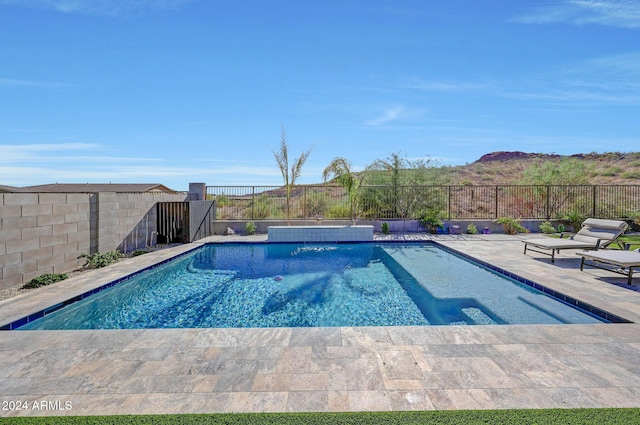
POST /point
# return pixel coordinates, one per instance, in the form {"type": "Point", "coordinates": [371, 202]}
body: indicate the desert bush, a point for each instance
{"type": "Point", "coordinates": [611, 171]}
{"type": "Point", "coordinates": [472, 229]}
{"type": "Point", "coordinates": [631, 174]}
{"type": "Point", "coordinates": [431, 220]}
{"type": "Point", "coordinates": [316, 204]}
{"type": "Point", "coordinates": [547, 227]}
{"type": "Point", "coordinates": [250, 227]}
{"type": "Point", "coordinates": [339, 211]}
{"type": "Point", "coordinates": [404, 194]}
{"type": "Point", "coordinates": [385, 228]}
{"type": "Point", "coordinates": [575, 219]}
{"type": "Point", "coordinates": [222, 200]}
{"type": "Point", "coordinates": [45, 279]}
{"type": "Point", "coordinates": [566, 171]}
{"type": "Point", "coordinates": [264, 207]}
{"type": "Point", "coordinates": [511, 225]}
{"type": "Point", "coordinates": [98, 260]}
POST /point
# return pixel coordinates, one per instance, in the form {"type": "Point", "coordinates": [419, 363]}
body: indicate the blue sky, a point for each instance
{"type": "Point", "coordinates": [179, 91]}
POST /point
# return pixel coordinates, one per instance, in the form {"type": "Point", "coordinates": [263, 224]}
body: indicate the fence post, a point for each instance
{"type": "Point", "coordinates": [547, 209]}
{"type": "Point", "coordinates": [304, 201]}
{"type": "Point", "coordinates": [449, 204]}
{"type": "Point", "coordinates": [253, 202]}
{"type": "Point", "coordinates": [593, 209]}
{"type": "Point", "coordinates": [496, 210]}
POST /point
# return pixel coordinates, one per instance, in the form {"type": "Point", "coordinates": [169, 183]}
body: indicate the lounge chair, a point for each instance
{"type": "Point", "coordinates": [595, 233]}
{"type": "Point", "coordinates": [610, 259]}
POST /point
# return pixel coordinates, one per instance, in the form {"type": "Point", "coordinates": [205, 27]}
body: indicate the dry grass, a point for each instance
{"type": "Point", "coordinates": [607, 168]}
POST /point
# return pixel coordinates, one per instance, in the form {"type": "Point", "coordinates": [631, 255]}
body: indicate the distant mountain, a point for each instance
{"type": "Point", "coordinates": [507, 167]}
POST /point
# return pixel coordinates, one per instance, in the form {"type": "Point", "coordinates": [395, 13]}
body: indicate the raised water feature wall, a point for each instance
{"type": "Point", "coordinates": [320, 233]}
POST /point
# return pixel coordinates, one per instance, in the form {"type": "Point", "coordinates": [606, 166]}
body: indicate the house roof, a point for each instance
{"type": "Point", "coordinates": [4, 189]}
{"type": "Point", "coordinates": [97, 187]}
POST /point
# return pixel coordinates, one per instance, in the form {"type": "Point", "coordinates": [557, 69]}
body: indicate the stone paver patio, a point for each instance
{"type": "Point", "coordinates": [330, 369]}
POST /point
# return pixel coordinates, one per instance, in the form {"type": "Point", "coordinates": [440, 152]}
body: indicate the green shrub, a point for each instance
{"type": "Point", "coordinates": [98, 260]}
{"type": "Point", "coordinates": [547, 227]}
{"type": "Point", "coordinates": [632, 174]}
{"type": "Point", "coordinates": [635, 217]}
{"type": "Point", "coordinates": [250, 227]}
{"type": "Point", "coordinates": [385, 228]}
{"type": "Point", "coordinates": [316, 204]}
{"type": "Point", "coordinates": [472, 229]}
{"type": "Point", "coordinates": [611, 171]}
{"type": "Point", "coordinates": [567, 171]}
{"type": "Point", "coordinates": [222, 201]}
{"type": "Point", "coordinates": [511, 225]}
{"type": "Point", "coordinates": [139, 252]}
{"type": "Point", "coordinates": [431, 220]}
{"type": "Point", "coordinates": [264, 207]}
{"type": "Point", "coordinates": [45, 279]}
{"type": "Point", "coordinates": [339, 211]}
{"type": "Point", "coordinates": [575, 219]}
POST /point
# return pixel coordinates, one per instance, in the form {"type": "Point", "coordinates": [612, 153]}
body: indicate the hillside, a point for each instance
{"type": "Point", "coordinates": [496, 168]}
{"type": "Point", "coordinates": [508, 167]}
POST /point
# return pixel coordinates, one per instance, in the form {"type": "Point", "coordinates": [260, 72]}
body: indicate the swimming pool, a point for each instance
{"type": "Point", "coordinates": [292, 285]}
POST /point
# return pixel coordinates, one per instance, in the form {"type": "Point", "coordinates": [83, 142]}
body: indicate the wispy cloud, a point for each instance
{"type": "Point", "coordinates": [12, 82]}
{"type": "Point", "coordinates": [117, 173]}
{"type": "Point", "coordinates": [10, 153]}
{"type": "Point", "coordinates": [394, 113]}
{"type": "Point", "coordinates": [24, 165]}
{"type": "Point", "coordinates": [388, 115]}
{"type": "Point", "coordinates": [111, 8]}
{"type": "Point", "coordinates": [417, 83]}
{"type": "Point", "coordinates": [607, 80]}
{"type": "Point", "coordinates": [617, 13]}
{"type": "Point", "coordinates": [628, 64]}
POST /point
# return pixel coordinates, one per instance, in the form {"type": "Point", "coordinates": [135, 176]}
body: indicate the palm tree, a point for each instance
{"type": "Point", "coordinates": [289, 176]}
{"type": "Point", "coordinates": [340, 170]}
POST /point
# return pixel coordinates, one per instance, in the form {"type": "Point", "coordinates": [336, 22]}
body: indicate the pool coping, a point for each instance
{"type": "Point", "coordinates": [331, 369]}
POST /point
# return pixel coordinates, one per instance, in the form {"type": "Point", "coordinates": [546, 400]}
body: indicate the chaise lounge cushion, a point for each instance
{"type": "Point", "coordinates": [595, 233]}
{"type": "Point", "coordinates": [617, 261]}
{"type": "Point", "coordinates": [619, 258]}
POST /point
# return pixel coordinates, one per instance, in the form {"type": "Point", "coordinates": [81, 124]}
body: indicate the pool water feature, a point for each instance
{"type": "Point", "coordinates": [292, 285]}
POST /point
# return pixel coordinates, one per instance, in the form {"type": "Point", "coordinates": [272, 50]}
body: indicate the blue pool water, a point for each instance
{"type": "Point", "coordinates": [290, 285]}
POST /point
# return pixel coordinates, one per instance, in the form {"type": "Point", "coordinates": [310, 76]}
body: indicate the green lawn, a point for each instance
{"type": "Point", "coordinates": [633, 240]}
{"type": "Point", "coordinates": [541, 416]}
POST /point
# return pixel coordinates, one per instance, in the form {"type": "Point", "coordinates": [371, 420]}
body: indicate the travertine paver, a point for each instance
{"type": "Point", "coordinates": [330, 369]}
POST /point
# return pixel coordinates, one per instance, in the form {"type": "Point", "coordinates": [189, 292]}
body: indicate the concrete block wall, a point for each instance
{"type": "Point", "coordinates": [127, 221]}
{"type": "Point", "coordinates": [41, 233]}
{"type": "Point", "coordinates": [47, 232]}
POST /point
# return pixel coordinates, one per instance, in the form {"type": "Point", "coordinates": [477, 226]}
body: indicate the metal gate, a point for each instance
{"type": "Point", "coordinates": [184, 222]}
{"type": "Point", "coordinates": [173, 222]}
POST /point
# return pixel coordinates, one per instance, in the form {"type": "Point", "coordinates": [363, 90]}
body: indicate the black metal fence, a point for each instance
{"type": "Point", "coordinates": [411, 202]}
